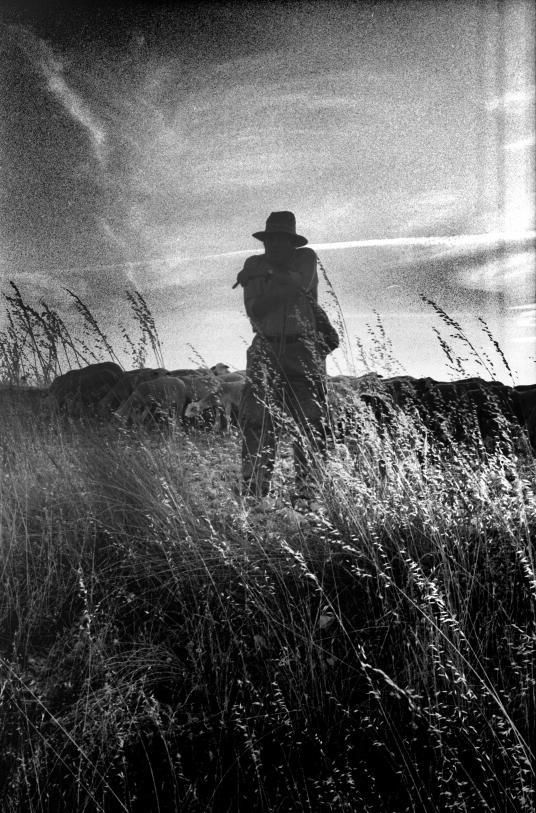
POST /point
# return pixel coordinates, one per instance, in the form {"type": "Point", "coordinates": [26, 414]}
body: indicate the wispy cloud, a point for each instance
{"type": "Point", "coordinates": [77, 109]}
{"type": "Point", "coordinates": [524, 320]}
{"type": "Point", "coordinates": [433, 211]}
{"type": "Point", "coordinates": [43, 59]}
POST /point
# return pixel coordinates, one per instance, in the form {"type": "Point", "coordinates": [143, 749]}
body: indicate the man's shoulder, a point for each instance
{"type": "Point", "coordinates": [305, 258]}
{"type": "Point", "coordinates": [305, 263]}
{"type": "Point", "coordinates": [255, 263]}
{"type": "Point", "coordinates": [306, 251]}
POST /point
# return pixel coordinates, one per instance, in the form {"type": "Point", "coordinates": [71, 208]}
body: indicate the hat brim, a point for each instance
{"type": "Point", "coordinates": [298, 239]}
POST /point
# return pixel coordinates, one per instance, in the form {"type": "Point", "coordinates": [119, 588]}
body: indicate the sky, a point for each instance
{"type": "Point", "coordinates": [142, 145]}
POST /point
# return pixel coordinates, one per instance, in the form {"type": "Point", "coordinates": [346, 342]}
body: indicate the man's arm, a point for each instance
{"type": "Point", "coordinates": [261, 298]}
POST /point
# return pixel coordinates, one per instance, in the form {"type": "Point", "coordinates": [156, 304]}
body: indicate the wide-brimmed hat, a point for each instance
{"type": "Point", "coordinates": [282, 223]}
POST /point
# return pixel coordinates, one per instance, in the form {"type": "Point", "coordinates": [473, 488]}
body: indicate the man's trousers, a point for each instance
{"type": "Point", "coordinates": [285, 390]}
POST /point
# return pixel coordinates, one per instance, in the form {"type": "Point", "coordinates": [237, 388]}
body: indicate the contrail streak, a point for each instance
{"type": "Point", "coordinates": [452, 241]}
{"type": "Point", "coordinates": [495, 238]}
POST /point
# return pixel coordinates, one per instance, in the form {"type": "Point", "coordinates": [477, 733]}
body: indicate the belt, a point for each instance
{"type": "Point", "coordinates": [284, 339]}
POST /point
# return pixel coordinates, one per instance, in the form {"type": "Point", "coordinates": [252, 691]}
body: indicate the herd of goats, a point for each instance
{"type": "Point", "coordinates": [448, 411]}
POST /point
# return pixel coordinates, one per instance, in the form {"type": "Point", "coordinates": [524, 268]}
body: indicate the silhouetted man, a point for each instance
{"type": "Point", "coordinates": [286, 361]}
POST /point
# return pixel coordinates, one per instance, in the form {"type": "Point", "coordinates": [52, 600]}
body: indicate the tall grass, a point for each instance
{"type": "Point", "coordinates": [164, 648]}
{"type": "Point", "coordinates": [457, 342]}
{"type": "Point", "coordinates": [37, 345]}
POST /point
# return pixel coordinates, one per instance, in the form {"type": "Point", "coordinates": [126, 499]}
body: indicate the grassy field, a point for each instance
{"type": "Point", "coordinates": [164, 649]}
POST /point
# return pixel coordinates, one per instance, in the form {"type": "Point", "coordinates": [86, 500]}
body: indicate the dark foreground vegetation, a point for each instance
{"type": "Point", "coordinates": [163, 648]}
